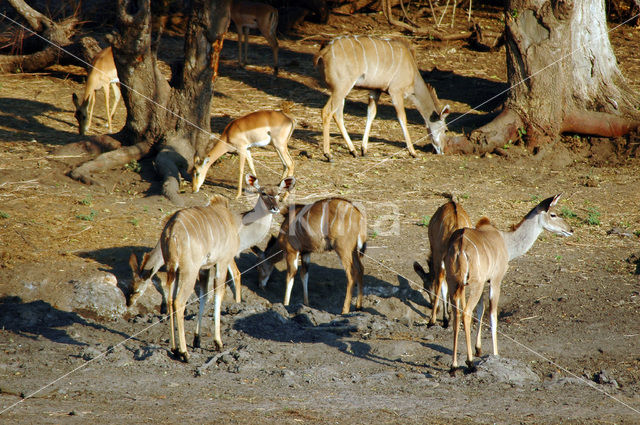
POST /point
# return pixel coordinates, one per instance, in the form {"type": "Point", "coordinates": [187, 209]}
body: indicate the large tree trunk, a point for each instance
{"type": "Point", "coordinates": [171, 122]}
{"type": "Point", "coordinates": [563, 76]}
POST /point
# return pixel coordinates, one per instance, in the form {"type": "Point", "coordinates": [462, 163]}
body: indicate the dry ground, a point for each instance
{"type": "Point", "coordinates": [569, 333]}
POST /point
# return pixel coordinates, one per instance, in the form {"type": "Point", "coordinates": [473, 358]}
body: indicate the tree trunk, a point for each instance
{"type": "Point", "coordinates": [170, 122]}
{"type": "Point", "coordinates": [59, 34]}
{"type": "Point", "coordinates": [563, 76]}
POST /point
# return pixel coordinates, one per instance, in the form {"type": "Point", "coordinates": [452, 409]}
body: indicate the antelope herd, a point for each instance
{"type": "Point", "coordinates": [197, 245]}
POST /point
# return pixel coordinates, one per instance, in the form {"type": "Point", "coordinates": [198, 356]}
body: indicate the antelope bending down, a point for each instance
{"type": "Point", "coordinates": [102, 75]}
{"type": "Point", "coordinates": [250, 228]}
{"type": "Point", "coordinates": [255, 129]}
{"type": "Point", "coordinates": [476, 256]}
{"type": "Point", "coordinates": [446, 220]}
{"type": "Point", "coordinates": [248, 15]}
{"type": "Point", "coordinates": [325, 225]}
{"type": "Point", "coordinates": [377, 64]}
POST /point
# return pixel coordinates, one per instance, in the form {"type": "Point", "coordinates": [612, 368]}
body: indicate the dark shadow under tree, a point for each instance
{"type": "Point", "coordinates": [167, 119]}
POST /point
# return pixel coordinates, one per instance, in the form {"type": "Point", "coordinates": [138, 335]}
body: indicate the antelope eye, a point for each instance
{"type": "Point", "coordinates": [553, 215]}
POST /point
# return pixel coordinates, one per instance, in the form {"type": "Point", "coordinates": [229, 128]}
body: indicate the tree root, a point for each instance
{"type": "Point", "coordinates": [598, 124]}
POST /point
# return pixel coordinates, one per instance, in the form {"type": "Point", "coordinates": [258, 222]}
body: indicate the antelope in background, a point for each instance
{"type": "Point", "coordinates": [476, 256]}
{"type": "Point", "coordinates": [255, 129]}
{"type": "Point", "coordinates": [332, 224]}
{"type": "Point", "coordinates": [446, 220]}
{"type": "Point", "coordinates": [377, 64]}
{"type": "Point", "coordinates": [251, 227]}
{"type": "Point", "coordinates": [248, 15]}
{"type": "Point", "coordinates": [102, 75]}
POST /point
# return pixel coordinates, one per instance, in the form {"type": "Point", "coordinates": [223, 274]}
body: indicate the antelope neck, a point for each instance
{"type": "Point", "coordinates": [521, 239]}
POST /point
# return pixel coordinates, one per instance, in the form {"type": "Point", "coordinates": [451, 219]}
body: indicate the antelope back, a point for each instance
{"type": "Point", "coordinates": [367, 62]}
{"type": "Point", "coordinates": [323, 225]}
{"type": "Point", "coordinates": [477, 254]}
{"type": "Point", "coordinates": [446, 220]}
{"type": "Point", "coordinates": [198, 237]}
{"type": "Point", "coordinates": [258, 128]}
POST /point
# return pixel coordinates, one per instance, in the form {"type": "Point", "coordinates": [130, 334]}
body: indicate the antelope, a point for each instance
{"type": "Point", "coordinates": [446, 220]}
{"type": "Point", "coordinates": [103, 75]}
{"type": "Point", "coordinates": [377, 64]}
{"type": "Point", "coordinates": [248, 15]}
{"type": "Point", "coordinates": [253, 227]}
{"type": "Point", "coordinates": [332, 224]}
{"type": "Point", "coordinates": [255, 129]}
{"type": "Point", "coordinates": [476, 256]}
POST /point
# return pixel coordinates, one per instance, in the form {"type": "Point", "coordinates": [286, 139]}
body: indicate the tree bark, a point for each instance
{"type": "Point", "coordinates": [563, 76]}
{"type": "Point", "coordinates": [170, 122]}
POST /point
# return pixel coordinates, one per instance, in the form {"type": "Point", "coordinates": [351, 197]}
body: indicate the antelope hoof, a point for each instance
{"type": "Point", "coordinates": [363, 152]}
{"type": "Point", "coordinates": [353, 153]}
{"type": "Point", "coordinates": [163, 308]}
{"type": "Point", "coordinates": [329, 157]}
{"type": "Point", "coordinates": [218, 345]}
{"type": "Point", "coordinates": [471, 368]}
{"type": "Point", "coordinates": [453, 371]}
{"type": "Point", "coordinates": [445, 323]}
{"type": "Point", "coordinates": [183, 357]}
{"type": "Point", "coordinates": [196, 341]}
{"type": "Point", "coordinates": [478, 352]}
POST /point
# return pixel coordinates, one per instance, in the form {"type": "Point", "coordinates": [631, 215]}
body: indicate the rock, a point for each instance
{"type": "Point", "coordinates": [506, 370]}
{"type": "Point", "coordinates": [98, 295]}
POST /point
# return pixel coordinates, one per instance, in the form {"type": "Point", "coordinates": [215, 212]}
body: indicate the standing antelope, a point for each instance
{"type": "Point", "coordinates": [332, 224]}
{"type": "Point", "coordinates": [480, 255]}
{"type": "Point", "coordinates": [255, 129]}
{"type": "Point", "coordinates": [446, 220]}
{"type": "Point", "coordinates": [102, 75]}
{"type": "Point", "coordinates": [377, 64]}
{"type": "Point", "coordinates": [248, 15]}
{"type": "Point", "coordinates": [252, 227]}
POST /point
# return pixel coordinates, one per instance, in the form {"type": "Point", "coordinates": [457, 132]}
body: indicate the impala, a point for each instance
{"type": "Point", "coordinates": [255, 129]}
{"type": "Point", "coordinates": [446, 220]}
{"type": "Point", "coordinates": [377, 64]}
{"type": "Point", "coordinates": [103, 75]}
{"type": "Point", "coordinates": [250, 227]}
{"type": "Point", "coordinates": [332, 224]}
{"type": "Point", "coordinates": [480, 255]}
{"type": "Point", "coordinates": [248, 15]}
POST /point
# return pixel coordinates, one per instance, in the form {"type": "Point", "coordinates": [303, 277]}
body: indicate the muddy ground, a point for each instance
{"type": "Point", "coordinates": [569, 335]}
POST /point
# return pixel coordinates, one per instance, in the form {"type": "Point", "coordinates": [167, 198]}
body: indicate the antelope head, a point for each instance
{"type": "Point", "coordinates": [438, 128]}
{"type": "Point", "coordinates": [199, 173]}
{"type": "Point", "coordinates": [81, 114]}
{"type": "Point", "coordinates": [549, 220]}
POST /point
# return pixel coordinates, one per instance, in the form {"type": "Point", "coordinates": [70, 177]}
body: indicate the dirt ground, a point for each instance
{"type": "Point", "coordinates": [569, 336]}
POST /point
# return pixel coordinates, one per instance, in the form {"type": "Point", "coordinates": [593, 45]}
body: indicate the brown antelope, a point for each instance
{"type": "Point", "coordinates": [480, 255]}
{"type": "Point", "coordinates": [248, 15]}
{"type": "Point", "coordinates": [102, 75]}
{"type": "Point", "coordinates": [255, 129]}
{"type": "Point", "coordinates": [332, 224]}
{"type": "Point", "coordinates": [446, 220]}
{"type": "Point", "coordinates": [377, 64]}
{"type": "Point", "coordinates": [253, 227]}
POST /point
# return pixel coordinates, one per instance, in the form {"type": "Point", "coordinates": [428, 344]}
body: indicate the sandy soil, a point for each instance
{"type": "Point", "coordinates": [569, 335]}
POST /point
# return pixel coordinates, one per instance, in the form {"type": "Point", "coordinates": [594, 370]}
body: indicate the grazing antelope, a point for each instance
{"type": "Point", "coordinates": [446, 220]}
{"type": "Point", "coordinates": [248, 15]}
{"type": "Point", "coordinates": [377, 64]}
{"type": "Point", "coordinates": [480, 255]}
{"type": "Point", "coordinates": [255, 129]}
{"type": "Point", "coordinates": [253, 227]}
{"type": "Point", "coordinates": [102, 75]}
{"type": "Point", "coordinates": [332, 224]}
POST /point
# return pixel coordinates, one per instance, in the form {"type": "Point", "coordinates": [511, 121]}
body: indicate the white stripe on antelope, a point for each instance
{"type": "Point", "coordinates": [252, 227]}
{"type": "Point", "coordinates": [480, 255]}
{"type": "Point", "coordinates": [377, 64]}
{"type": "Point", "coordinates": [332, 224]}
{"type": "Point", "coordinates": [446, 220]}
{"type": "Point", "coordinates": [255, 129]}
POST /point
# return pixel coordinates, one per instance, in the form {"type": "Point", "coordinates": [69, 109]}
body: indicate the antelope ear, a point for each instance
{"type": "Point", "coordinates": [555, 199]}
{"type": "Point", "coordinates": [76, 102]}
{"type": "Point", "coordinates": [252, 181]}
{"type": "Point", "coordinates": [287, 184]}
{"type": "Point", "coordinates": [445, 112]}
{"type": "Point", "coordinates": [257, 250]}
{"type": "Point", "coordinates": [133, 263]}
